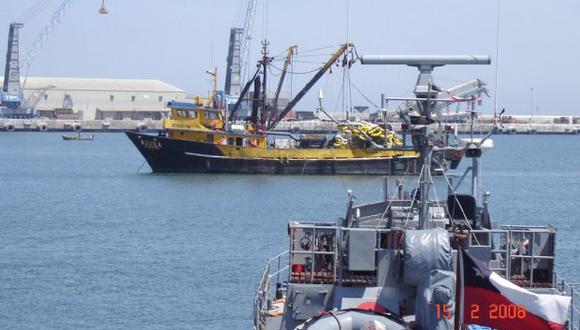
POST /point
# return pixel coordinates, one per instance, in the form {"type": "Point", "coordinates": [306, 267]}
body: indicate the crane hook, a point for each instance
{"type": "Point", "coordinates": [103, 10]}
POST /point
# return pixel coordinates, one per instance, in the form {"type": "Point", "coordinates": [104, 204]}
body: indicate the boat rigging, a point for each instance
{"type": "Point", "coordinates": [274, 112]}
{"type": "Point", "coordinates": [269, 116]}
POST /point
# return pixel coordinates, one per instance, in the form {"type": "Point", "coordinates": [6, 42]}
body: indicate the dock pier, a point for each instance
{"type": "Point", "coordinates": [304, 126]}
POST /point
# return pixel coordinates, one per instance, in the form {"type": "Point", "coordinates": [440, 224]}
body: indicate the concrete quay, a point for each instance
{"type": "Point", "coordinates": [317, 126]}
{"type": "Point", "coordinates": [524, 128]}
{"type": "Point", "coordinates": [65, 125]}
{"type": "Point", "coordinates": [305, 126]}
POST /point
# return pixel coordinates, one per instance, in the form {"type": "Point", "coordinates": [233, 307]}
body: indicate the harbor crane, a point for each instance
{"type": "Point", "coordinates": [12, 101]}
{"type": "Point", "coordinates": [239, 52]}
{"type": "Point", "coordinates": [11, 94]}
{"type": "Point", "coordinates": [103, 10]}
{"type": "Point", "coordinates": [247, 36]}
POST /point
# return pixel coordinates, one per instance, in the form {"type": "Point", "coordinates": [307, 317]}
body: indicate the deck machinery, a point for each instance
{"type": "Point", "coordinates": [389, 264]}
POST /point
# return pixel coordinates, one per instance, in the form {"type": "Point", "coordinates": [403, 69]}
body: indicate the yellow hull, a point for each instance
{"type": "Point", "coordinates": [255, 146]}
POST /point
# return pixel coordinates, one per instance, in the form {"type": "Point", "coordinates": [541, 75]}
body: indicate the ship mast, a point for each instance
{"type": "Point", "coordinates": [264, 93]}
{"type": "Point", "coordinates": [426, 98]}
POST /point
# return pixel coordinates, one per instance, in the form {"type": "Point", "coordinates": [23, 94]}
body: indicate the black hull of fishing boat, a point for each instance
{"type": "Point", "coordinates": [175, 156]}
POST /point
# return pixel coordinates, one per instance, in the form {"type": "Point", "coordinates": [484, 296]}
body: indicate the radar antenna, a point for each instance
{"type": "Point", "coordinates": [426, 97]}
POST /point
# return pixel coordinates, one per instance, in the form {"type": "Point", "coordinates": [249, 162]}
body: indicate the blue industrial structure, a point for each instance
{"type": "Point", "coordinates": [12, 102]}
{"type": "Point", "coordinates": [11, 95]}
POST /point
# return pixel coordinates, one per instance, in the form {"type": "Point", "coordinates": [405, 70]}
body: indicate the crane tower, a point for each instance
{"type": "Point", "coordinates": [11, 96]}
{"type": "Point", "coordinates": [238, 52]}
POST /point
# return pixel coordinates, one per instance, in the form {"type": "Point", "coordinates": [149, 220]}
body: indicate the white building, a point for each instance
{"type": "Point", "coordinates": [113, 99]}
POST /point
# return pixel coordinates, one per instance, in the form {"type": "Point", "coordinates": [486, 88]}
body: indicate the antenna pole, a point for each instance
{"type": "Point", "coordinates": [424, 89]}
{"type": "Point", "coordinates": [263, 95]}
{"type": "Point", "coordinates": [496, 100]}
{"type": "Point", "coordinates": [531, 104]}
{"type": "Point", "coordinates": [474, 161]}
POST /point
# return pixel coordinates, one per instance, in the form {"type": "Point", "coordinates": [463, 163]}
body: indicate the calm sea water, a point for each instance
{"type": "Point", "coordinates": [89, 242]}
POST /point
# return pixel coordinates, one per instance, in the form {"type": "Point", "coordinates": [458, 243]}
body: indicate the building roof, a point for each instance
{"type": "Point", "coordinates": [99, 84]}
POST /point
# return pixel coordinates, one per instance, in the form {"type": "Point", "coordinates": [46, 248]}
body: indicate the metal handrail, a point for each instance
{"type": "Point", "coordinates": [280, 270]}
{"type": "Point", "coordinates": [506, 238]}
{"type": "Point", "coordinates": [262, 297]}
{"type": "Point", "coordinates": [570, 289]}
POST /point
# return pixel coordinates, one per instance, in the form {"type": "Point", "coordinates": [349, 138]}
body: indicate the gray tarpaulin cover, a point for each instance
{"type": "Point", "coordinates": [436, 289]}
{"type": "Point", "coordinates": [425, 250]}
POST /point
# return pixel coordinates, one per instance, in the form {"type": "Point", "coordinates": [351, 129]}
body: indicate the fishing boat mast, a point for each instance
{"type": "Point", "coordinates": [264, 92]}
{"type": "Point", "coordinates": [426, 98]}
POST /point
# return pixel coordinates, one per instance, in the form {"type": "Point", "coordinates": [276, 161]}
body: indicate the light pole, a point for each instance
{"type": "Point", "coordinates": [531, 104]}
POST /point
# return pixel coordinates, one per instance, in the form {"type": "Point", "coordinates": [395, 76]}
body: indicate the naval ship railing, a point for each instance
{"type": "Point", "coordinates": [518, 251]}
{"type": "Point", "coordinates": [262, 299]}
{"type": "Point", "coordinates": [514, 247]}
{"type": "Point", "coordinates": [572, 290]}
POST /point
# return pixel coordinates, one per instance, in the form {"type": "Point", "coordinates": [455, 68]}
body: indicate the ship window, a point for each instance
{"type": "Point", "coordinates": [192, 114]}
{"type": "Point", "coordinates": [111, 98]}
{"type": "Point", "coordinates": [182, 113]}
{"type": "Point", "coordinates": [209, 138]}
{"type": "Point", "coordinates": [231, 141]}
{"type": "Point", "coordinates": [45, 97]}
{"type": "Point", "coordinates": [133, 98]}
{"type": "Point", "coordinates": [211, 115]}
{"type": "Point", "coordinates": [160, 98]}
{"type": "Point", "coordinates": [239, 142]}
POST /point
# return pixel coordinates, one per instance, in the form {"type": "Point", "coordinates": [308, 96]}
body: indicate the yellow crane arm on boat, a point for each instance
{"type": "Point", "coordinates": [343, 48]}
{"type": "Point", "coordinates": [287, 62]}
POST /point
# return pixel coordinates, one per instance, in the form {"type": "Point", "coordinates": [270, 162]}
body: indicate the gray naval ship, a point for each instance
{"type": "Point", "coordinates": [406, 262]}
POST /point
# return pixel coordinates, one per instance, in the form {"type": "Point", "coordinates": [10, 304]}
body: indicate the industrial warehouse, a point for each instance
{"type": "Point", "coordinates": [100, 99]}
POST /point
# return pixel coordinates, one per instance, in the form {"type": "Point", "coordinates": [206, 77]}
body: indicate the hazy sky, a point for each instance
{"type": "Point", "coordinates": [177, 40]}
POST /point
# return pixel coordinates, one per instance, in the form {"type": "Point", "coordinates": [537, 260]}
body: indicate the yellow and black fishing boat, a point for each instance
{"type": "Point", "coordinates": [195, 140]}
{"type": "Point", "coordinates": [206, 136]}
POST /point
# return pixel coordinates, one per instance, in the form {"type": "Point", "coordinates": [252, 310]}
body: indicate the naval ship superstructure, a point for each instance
{"type": "Point", "coordinates": [398, 263]}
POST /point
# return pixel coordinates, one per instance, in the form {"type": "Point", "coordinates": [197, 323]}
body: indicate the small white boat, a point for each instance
{"type": "Point", "coordinates": [78, 137]}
